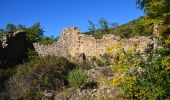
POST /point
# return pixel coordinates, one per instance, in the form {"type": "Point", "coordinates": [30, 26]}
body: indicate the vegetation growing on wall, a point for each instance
{"type": "Point", "coordinates": [141, 76]}
{"type": "Point", "coordinates": [146, 76]}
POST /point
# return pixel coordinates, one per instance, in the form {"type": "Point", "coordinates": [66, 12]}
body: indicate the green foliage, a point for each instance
{"type": "Point", "coordinates": [146, 76]}
{"type": "Point", "coordinates": [143, 76]}
{"type": "Point", "coordinates": [47, 40]}
{"type": "Point", "coordinates": [20, 27]}
{"type": "Point", "coordinates": [122, 61]}
{"type": "Point", "coordinates": [142, 3]}
{"type": "Point", "coordinates": [136, 27]}
{"type": "Point", "coordinates": [104, 25]}
{"type": "Point", "coordinates": [1, 33]}
{"type": "Point", "coordinates": [31, 79]}
{"type": "Point", "coordinates": [102, 29]}
{"type": "Point", "coordinates": [105, 98]}
{"type": "Point", "coordinates": [77, 78]}
{"type": "Point", "coordinates": [155, 9]}
{"type": "Point", "coordinates": [158, 11]}
{"type": "Point", "coordinates": [91, 27]}
{"type": "Point", "coordinates": [34, 33]}
{"type": "Point", "coordinates": [153, 83]}
{"type": "Point", "coordinates": [10, 28]}
{"type": "Point", "coordinates": [31, 54]}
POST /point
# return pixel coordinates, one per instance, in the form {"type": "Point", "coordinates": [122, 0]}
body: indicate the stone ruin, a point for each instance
{"type": "Point", "coordinates": [74, 43]}
{"type": "Point", "coordinates": [12, 48]}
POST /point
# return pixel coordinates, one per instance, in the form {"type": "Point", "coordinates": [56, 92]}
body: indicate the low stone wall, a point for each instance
{"type": "Point", "coordinates": [74, 43]}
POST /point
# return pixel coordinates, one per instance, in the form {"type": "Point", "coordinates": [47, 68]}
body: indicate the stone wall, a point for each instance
{"type": "Point", "coordinates": [73, 43]}
{"type": "Point", "coordinates": [12, 49]}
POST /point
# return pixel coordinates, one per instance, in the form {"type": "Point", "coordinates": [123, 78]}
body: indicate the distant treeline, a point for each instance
{"type": "Point", "coordinates": [136, 27]}
{"type": "Point", "coordinates": [35, 33]}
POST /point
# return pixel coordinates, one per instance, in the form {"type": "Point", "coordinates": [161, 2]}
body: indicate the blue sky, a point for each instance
{"type": "Point", "coordinates": [54, 15]}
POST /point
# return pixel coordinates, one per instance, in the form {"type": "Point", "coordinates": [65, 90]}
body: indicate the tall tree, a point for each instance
{"type": "Point", "coordinates": [114, 25]}
{"type": "Point", "coordinates": [142, 3]}
{"type": "Point", "coordinates": [104, 25]}
{"type": "Point", "coordinates": [35, 33]}
{"type": "Point", "coordinates": [157, 10]}
{"type": "Point", "coordinates": [10, 28]}
{"type": "Point", "coordinates": [92, 26]}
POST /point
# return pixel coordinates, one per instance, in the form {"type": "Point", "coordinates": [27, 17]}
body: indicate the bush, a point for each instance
{"type": "Point", "coordinates": [31, 54]}
{"type": "Point", "coordinates": [142, 76]}
{"type": "Point", "coordinates": [77, 78]}
{"type": "Point", "coordinates": [31, 79]}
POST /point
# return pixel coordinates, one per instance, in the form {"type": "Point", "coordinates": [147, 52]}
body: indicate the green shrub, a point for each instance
{"type": "Point", "coordinates": [77, 78]}
{"type": "Point", "coordinates": [143, 76]}
{"type": "Point", "coordinates": [31, 79]}
{"type": "Point", "coordinates": [105, 97]}
{"type": "Point", "coordinates": [31, 54]}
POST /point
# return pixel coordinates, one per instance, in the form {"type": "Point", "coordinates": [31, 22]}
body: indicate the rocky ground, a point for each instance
{"type": "Point", "coordinates": [95, 87]}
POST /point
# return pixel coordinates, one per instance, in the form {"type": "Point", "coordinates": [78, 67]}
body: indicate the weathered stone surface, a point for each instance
{"type": "Point", "coordinates": [74, 43]}
{"type": "Point", "coordinates": [12, 49]}
{"type": "Point", "coordinates": [94, 89]}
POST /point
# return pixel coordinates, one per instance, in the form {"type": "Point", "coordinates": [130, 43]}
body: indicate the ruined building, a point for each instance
{"type": "Point", "coordinates": [74, 43]}
{"type": "Point", "coordinates": [12, 49]}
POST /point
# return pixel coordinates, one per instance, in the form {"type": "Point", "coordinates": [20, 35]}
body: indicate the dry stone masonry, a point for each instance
{"type": "Point", "coordinates": [12, 48]}
{"type": "Point", "coordinates": [74, 43]}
